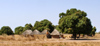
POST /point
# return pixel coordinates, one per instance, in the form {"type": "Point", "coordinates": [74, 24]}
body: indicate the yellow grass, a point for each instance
{"type": "Point", "coordinates": [50, 43]}
{"type": "Point", "coordinates": [18, 40]}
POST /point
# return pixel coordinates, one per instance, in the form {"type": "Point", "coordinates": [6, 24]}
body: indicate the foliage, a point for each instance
{"type": "Point", "coordinates": [74, 21]}
{"type": "Point", "coordinates": [44, 24]}
{"type": "Point", "coordinates": [6, 30]}
{"type": "Point", "coordinates": [93, 31]}
{"type": "Point", "coordinates": [0, 32]}
{"type": "Point", "coordinates": [19, 30]}
{"type": "Point", "coordinates": [28, 27]}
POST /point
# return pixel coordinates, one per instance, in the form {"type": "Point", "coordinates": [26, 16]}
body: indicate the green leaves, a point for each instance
{"type": "Point", "coordinates": [6, 30]}
{"type": "Point", "coordinates": [44, 24]}
{"type": "Point", "coordinates": [28, 27]}
{"type": "Point", "coordinates": [74, 21]}
{"type": "Point", "coordinates": [19, 30]}
{"type": "Point", "coordinates": [62, 15]}
{"type": "Point", "coordinates": [68, 22]}
{"type": "Point", "coordinates": [93, 31]}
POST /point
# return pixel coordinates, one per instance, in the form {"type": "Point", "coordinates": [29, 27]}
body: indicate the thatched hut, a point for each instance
{"type": "Point", "coordinates": [27, 32]}
{"type": "Point", "coordinates": [56, 34]}
{"type": "Point", "coordinates": [35, 32]}
{"type": "Point", "coordinates": [37, 35]}
{"type": "Point", "coordinates": [47, 33]}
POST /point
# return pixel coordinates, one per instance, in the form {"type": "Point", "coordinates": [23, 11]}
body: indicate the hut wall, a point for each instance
{"type": "Point", "coordinates": [56, 36]}
{"type": "Point", "coordinates": [40, 36]}
{"type": "Point", "coordinates": [48, 35]}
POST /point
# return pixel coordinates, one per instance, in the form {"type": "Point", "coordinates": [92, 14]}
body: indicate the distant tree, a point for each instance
{"type": "Point", "coordinates": [93, 31]}
{"type": "Point", "coordinates": [44, 24]}
{"type": "Point", "coordinates": [6, 30]}
{"type": "Point", "coordinates": [19, 30]}
{"type": "Point", "coordinates": [28, 27]}
{"type": "Point", "coordinates": [0, 32]}
{"type": "Point", "coordinates": [75, 22]}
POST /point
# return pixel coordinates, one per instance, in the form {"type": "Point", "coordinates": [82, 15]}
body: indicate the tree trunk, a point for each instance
{"type": "Point", "coordinates": [79, 35]}
{"type": "Point", "coordinates": [74, 35]}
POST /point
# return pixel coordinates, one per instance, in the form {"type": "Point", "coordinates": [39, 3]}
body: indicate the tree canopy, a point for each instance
{"type": "Point", "coordinates": [93, 31]}
{"type": "Point", "coordinates": [6, 30]}
{"type": "Point", "coordinates": [19, 30]}
{"type": "Point", "coordinates": [28, 27]}
{"type": "Point", "coordinates": [74, 21]}
{"type": "Point", "coordinates": [44, 24]}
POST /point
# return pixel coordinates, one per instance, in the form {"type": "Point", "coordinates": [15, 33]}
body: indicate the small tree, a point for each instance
{"type": "Point", "coordinates": [6, 30]}
{"type": "Point", "coordinates": [19, 30]}
{"type": "Point", "coordinates": [0, 32]}
{"type": "Point", "coordinates": [28, 27]}
{"type": "Point", "coordinates": [93, 31]}
{"type": "Point", "coordinates": [44, 24]}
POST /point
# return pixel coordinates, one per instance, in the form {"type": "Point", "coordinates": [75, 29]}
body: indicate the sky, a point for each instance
{"type": "Point", "coordinates": [16, 13]}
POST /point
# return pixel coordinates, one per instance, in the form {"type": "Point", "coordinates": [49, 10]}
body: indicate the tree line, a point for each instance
{"type": "Point", "coordinates": [74, 22]}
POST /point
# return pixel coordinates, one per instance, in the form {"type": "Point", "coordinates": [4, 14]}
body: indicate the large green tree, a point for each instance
{"type": "Point", "coordinates": [6, 30]}
{"type": "Point", "coordinates": [44, 24]}
{"type": "Point", "coordinates": [19, 30]}
{"type": "Point", "coordinates": [75, 22]}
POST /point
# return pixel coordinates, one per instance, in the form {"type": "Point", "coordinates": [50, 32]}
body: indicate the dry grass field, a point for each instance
{"type": "Point", "coordinates": [51, 43]}
{"type": "Point", "coordinates": [18, 40]}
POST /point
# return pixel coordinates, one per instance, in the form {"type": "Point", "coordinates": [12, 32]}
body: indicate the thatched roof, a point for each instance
{"type": "Point", "coordinates": [35, 32]}
{"type": "Point", "coordinates": [45, 32]}
{"type": "Point", "coordinates": [27, 32]}
{"type": "Point", "coordinates": [55, 32]}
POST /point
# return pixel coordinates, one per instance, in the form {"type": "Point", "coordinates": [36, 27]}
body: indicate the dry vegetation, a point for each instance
{"type": "Point", "coordinates": [18, 40]}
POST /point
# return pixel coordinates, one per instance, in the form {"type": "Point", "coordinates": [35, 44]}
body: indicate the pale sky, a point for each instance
{"type": "Point", "coordinates": [16, 13]}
